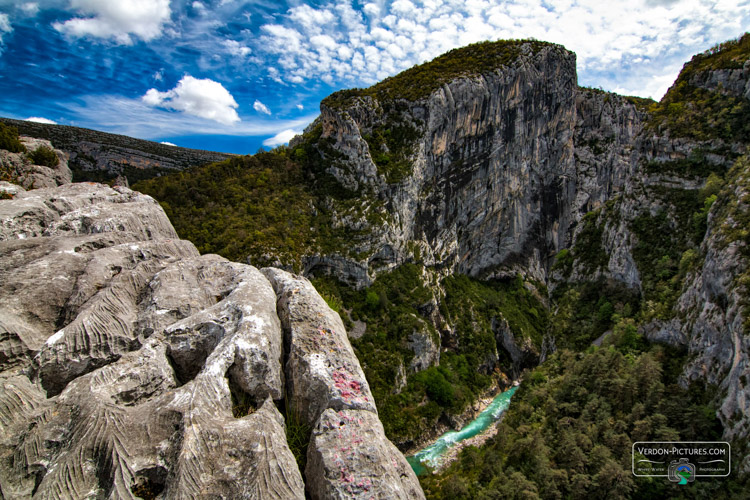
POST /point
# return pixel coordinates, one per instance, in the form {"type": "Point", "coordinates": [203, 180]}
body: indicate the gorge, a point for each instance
{"type": "Point", "coordinates": [468, 220]}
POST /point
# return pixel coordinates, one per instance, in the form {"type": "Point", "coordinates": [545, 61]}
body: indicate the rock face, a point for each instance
{"type": "Point", "coordinates": [713, 321]}
{"type": "Point", "coordinates": [329, 392]}
{"type": "Point", "coordinates": [493, 170]}
{"type": "Point", "coordinates": [132, 366]}
{"type": "Point", "coordinates": [503, 168]}
{"type": "Point", "coordinates": [31, 176]}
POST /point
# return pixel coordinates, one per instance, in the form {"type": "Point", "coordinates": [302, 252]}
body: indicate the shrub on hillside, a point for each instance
{"type": "Point", "coordinates": [44, 156]}
{"type": "Point", "coordinates": [9, 139]}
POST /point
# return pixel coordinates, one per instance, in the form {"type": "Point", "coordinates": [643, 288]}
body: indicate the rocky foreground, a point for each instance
{"type": "Point", "coordinates": [132, 366]}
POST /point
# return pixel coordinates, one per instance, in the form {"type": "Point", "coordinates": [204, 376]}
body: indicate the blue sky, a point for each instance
{"type": "Point", "coordinates": [235, 75]}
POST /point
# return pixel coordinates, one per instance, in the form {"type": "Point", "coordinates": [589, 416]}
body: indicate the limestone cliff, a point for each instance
{"type": "Point", "coordinates": [132, 366]}
{"type": "Point", "coordinates": [491, 176]}
{"type": "Point", "coordinates": [493, 172]}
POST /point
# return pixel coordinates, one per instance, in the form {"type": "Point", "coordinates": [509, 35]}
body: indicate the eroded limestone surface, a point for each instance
{"type": "Point", "coordinates": [132, 366]}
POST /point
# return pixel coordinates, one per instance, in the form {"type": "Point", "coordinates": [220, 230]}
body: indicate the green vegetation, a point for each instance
{"type": "Point", "coordinates": [731, 54]}
{"type": "Point", "coordinates": [668, 243]}
{"type": "Point", "coordinates": [584, 311]}
{"type": "Point", "coordinates": [8, 174]}
{"type": "Point", "coordinates": [400, 304]}
{"type": "Point", "coordinates": [697, 113]}
{"type": "Point", "coordinates": [569, 431]}
{"type": "Point", "coordinates": [251, 205]}
{"type": "Point", "coordinates": [733, 222]}
{"type": "Point", "coordinates": [9, 139]}
{"type": "Point", "coordinates": [391, 149]}
{"type": "Point", "coordinates": [471, 305]}
{"type": "Point", "coordinates": [695, 165]}
{"type": "Point", "coordinates": [700, 114]}
{"type": "Point", "coordinates": [297, 436]}
{"type": "Point", "coordinates": [642, 103]}
{"type": "Point", "coordinates": [420, 81]}
{"type": "Point", "coordinates": [588, 248]}
{"type": "Point", "coordinates": [44, 156]}
{"type": "Point", "coordinates": [263, 206]}
{"type": "Point", "coordinates": [133, 174]}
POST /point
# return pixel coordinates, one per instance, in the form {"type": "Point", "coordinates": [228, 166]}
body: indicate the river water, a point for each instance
{"type": "Point", "coordinates": [431, 455]}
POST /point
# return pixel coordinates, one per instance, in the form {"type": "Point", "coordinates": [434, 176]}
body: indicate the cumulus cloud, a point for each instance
{"type": "Point", "coordinates": [236, 49]}
{"type": "Point", "coordinates": [334, 43]}
{"type": "Point", "coordinates": [281, 138]}
{"type": "Point", "coordinates": [261, 108]}
{"type": "Point", "coordinates": [39, 119]}
{"type": "Point", "coordinates": [136, 118]}
{"type": "Point", "coordinates": [30, 8]}
{"type": "Point", "coordinates": [119, 20]}
{"type": "Point", "coordinates": [204, 98]}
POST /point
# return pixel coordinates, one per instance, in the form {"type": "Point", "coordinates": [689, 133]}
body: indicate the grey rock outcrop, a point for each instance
{"type": "Point", "coordinates": [30, 176]}
{"type": "Point", "coordinates": [132, 366]}
{"type": "Point", "coordinates": [522, 352]}
{"type": "Point", "coordinates": [488, 146]}
{"type": "Point", "coordinates": [341, 470]}
{"type": "Point", "coordinates": [426, 349]}
{"type": "Point", "coordinates": [329, 391]}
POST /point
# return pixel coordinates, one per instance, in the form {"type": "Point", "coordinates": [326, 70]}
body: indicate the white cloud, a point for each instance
{"type": "Point", "coordinates": [371, 9]}
{"type": "Point", "coordinates": [5, 28]}
{"type": "Point", "coordinates": [135, 118]}
{"type": "Point", "coordinates": [236, 49]}
{"type": "Point", "coordinates": [300, 107]}
{"type": "Point", "coordinates": [204, 98]}
{"type": "Point", "coordinates": [312, 20]}
{"type": "Point", "coordinates": [403, 7]}
{"type": "Point", "coordinates": [261, 108]}
{"type": "Point", "coordinates": [323, 41]}
{"type": "Point", "coordinates": [199, 7]}
{"type": "Point", "coordinates": [282, 137]}
{"type": "Point", "coordinates": [311, 43]}
{"type": "Point", "coordinates": [38, 119]}
{"type": "Point", "coordinates": [168, 143]}
{"type": "Point", "coordinates": [30, 8]}
{"type": "Point", "coordinates": [117, 19]}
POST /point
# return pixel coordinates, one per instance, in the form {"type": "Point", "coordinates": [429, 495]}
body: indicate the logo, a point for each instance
{"type": "Point", "coordinates": [681, 471]}
{"type": "Point", "coordinates": [681, 461]}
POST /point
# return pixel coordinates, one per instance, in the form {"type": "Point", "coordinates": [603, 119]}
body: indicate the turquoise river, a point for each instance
{"type": "Point", "coordinates": [431, 455]}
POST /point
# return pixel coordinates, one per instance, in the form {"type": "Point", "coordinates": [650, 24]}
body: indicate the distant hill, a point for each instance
{"type": "Point", "coordinates": [99, 156]}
